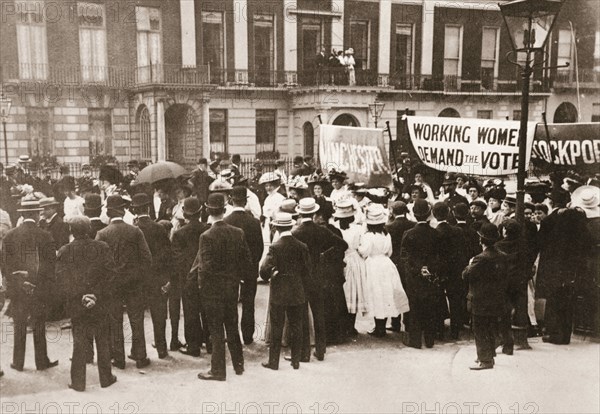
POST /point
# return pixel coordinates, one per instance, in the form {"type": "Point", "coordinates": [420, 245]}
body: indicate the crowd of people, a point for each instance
{"type": "Point", "coordinates": [410, 257]}
{"type": "Point", "coordinates": [337, 68]}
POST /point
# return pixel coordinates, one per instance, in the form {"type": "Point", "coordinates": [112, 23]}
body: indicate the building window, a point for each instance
{"type": "Point", "coordinates": [404, 53]}
{"type": "Point", "coordinates": [213, 40]}
{"type": "Point", "coordinates": [31, 40]}
{"type": "Point", "coordinates": [565, 50]}
{"type": "Point", "coordinates": [189, 139]}
{"type": "Point", "coordinates": [265, 130]}
{"type": "Point", "coordinates": [100, 132]}
{"type": "Point", "coordinates": [453, 51]}
{"type": "Point", "coordinates": [360, 41]}
{"type": "Point", "coordinates": [484, 114]}
{"type": "Point", "coordinates": [149, 44]}
{"type": "Point", "coordinates": [517, 115]}
{"type": "Point", "coordinates": [489, 57]}
{"type": "Point", "coordinates": [38, 128]}
{"type": "Point", "coordinates": [565, 113]}
{"type": "Point", "coordinates": [312, 41]}
{"type": "Point", "coordinates": [145, 134]}
{"type": "Point", "coordinates": [449, 113]}
{"type": "Point", "coordinates": [264, 49]}
{"type": "Point", "coordinates": [92, 41]}
{"type": "Point", "coordinates": [218, 131]}
{"type": "Point", "coordinates": [309, 139]}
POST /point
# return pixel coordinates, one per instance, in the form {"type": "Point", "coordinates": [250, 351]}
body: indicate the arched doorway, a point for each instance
{"type": "Point", "coordinates": [449, 113]}
{"type": "Point", "coordinates": [565, 113]}
{"type": "Point", "coordinates": [143, 121]}
{"type": "Point", "coordinates": [180, 130]}
{"type": "Point", "coordinates": [346, 120]}
{"type": "Point", "coordinates": [309, 139]}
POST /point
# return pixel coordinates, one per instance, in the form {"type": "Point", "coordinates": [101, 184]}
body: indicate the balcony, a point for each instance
{"type": "Point", "coordinates": [455, 84]}
{"type": "Point", "coordinates": [566, 79]}
{"type": "Point", "coordinates": [337, 77]}
{"type": "Point", "coordinates": [108, 76]}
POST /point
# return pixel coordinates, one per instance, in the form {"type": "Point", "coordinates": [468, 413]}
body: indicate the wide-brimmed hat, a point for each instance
{"type": "Point", "coordinates": [115, 202]}
{"type": "Point", "coordinates": [399, 207]}
{"type": "Point", "coordinates": [24, 158]}
{"type": "Point", "coordinates": [421, 208]}
{"type": "Point", "coordinates": [283, 220]}
{"type": "Point", "coordinates": [220, 186]}
{"type": "Point", "coordinates": [29, 203]}
{"type": "Point", "coordinates": [307, 205]}
{"type": "Point", "coordinates": [495, 193]}
{"type": "Point", "coordinates": [289, 206]}
{"type": "Point", "coordinates": [337, 175]}
{"type": "Point", "coordinates": [349, 51]}
{"type": "Point", "coordinates": [216, 201]}
{"type": "Point", "coordinates": [110, 174]}
{"type": "Point", "coordinates": [48, 202]}
{"type": "Point", "coordinates": [298, 182]}
{"type": "Point", "coordinates": [375, 214]}
{"type": "Point", "coordinates": [511, 199]}
{"type": "Point", "coordinates": [92, 202]}
{"type": "Point", "coordinates": [269, 177]}
{"type": "Point", "coordinates": [191, 207]}
{"type": "Point", "coordinates": [587, 198]}
{"type": "Point", "coordinates": [489, 232]}
{"type": "Point", "coordinates": [140, 200]}
{"type": "Point", "coordinates": [344, 209]}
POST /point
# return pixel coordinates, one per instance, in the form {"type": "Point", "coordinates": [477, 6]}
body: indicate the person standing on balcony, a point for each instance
{"type": "Point", "coordinates": [342, 79]}
{"type": "Point", "coordinates": [320, 62]}
{"type": "Point", "coordinates": [334, 65]}
{"type": "Point", "coordinates": [349, 63]}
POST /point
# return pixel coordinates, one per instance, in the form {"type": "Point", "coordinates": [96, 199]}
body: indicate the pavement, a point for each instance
{"type": "Point", "coordinates": [366, 375]}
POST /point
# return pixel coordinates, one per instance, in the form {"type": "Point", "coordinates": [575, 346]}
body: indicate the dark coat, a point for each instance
{"type": "Point", "coordinates": [471, 240]}
{"type": "Point", "coordinates": [201, 181]}
{"type": "Point", "coordinates": [59, 230]}
{"type": "Point", "coordinates": [160, 247]}
{"type": "Point", "coordinates": [97, 225]}
{"type": "Point", "coordinates": [420, 247]}
{"type": "Point", "coordinates": [488, 284]}
{"type": "Point", "coordinates": [164, 213]}
{"type": "Point", "coordinates": [185, 248]}
{"type": "Point", "coordinates": [223, 261]}
{"type": "Point", "coordinates": [318, 239]}
{"type": "Point", "coordinates": [86, 266]}
{"type": "Point", "coordinates": [396, 229]}
{"type": "Point", "coordinates": [131, 253]}
{"type": "Point", "coordinates": [252, 230]}
{"type": "Point", "coordinates": [453, 253]}
{"type": "Point", "coordinates": [517, 274]}
{"type": "Point", "coordinates": [291, 258]}
{"type": "Point", "coordinates": [29, 248]}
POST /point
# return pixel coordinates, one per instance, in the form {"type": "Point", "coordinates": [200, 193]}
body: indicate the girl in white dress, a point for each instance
{"type": "Point", "coordinates": [355, 271]}
{"type": "Point", "coordinates": [386, 297]}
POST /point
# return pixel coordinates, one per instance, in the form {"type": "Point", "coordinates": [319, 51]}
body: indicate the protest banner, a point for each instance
{"type": "Point", "coordinates": [568, 146]}
{"type": "Point", "coordinates": [360, 152]}
{"type": "Point", "coordinates": [471, 146]}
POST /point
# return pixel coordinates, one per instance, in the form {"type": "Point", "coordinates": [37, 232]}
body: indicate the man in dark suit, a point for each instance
{"type": "Point", "coordinates": [453, 198]}
{"type": "Point", "coordinates": [396, 229]}
{"type": "Point", "coordinates": [185, 248]}
{"type": "Point", "coordinates": [486, 275]}
{"type": "Point", "coordinates": [241, 219]}
{"type": "Point", "coordinates": [453, 258]}
{"type": "Point", "coordinates": [28, 259]}
{"type": "Point", "coordinates": [287, 265]}
{"type": "Point", "coordinates": [158, 280]}
{"type": "Point", "coordinates": [133, 259]}
{"type": "Point", "coordinates": [201, 180]}
{"type": "Point", "coordinates": [92, 208]}
{"type": "Point", "coordinates": [318, 239]}
{"type": "Point", "coordinates": [461, 213]}
{"type": "Point", "coordinates": [223, 262]}
{"type": "Point", "coordinates": [87, 268]}
{"type": "Point", "coordinates": [420, 259]}
{"type": "Point", "coordinates": [52, 222]}
{"type": "Point", "coordinates": [161, 207]}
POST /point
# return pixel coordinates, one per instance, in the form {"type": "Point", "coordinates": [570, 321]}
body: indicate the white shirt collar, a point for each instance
{"type": "Point", "coordinates": [51, 218]}
{"type": "Point", "coordinates": [242, 209]}
{"type": "Point", "coordinates": [285, 233]}
{"type": "Point", "coordinates": [304, 220]}
{"type": "Point", "coordinates": [116, 219]}
{"type": "Point", "coordinates": [461, 222]}
{"type": "Point", "coordinates": [95, 219]}
{"type": "Point", "coordinates": [29, 221]}
{"type": "Point", "coordinates": [143, 215]}
{"type": "Point", "coordinates": [212, 220]}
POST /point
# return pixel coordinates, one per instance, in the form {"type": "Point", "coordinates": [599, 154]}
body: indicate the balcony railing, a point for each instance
{"type": "Point", "coordinates": [448, 83]}
{"type": "Point", "coordinates": [336, 77]}
{"type": "Point", "coordinates": [568, 79]}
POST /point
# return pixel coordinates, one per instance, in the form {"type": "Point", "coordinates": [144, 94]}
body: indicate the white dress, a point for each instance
{"type": "Point", "coordinates": [386, 297]}
{"type": "Point", "coordinates": [355, 288]}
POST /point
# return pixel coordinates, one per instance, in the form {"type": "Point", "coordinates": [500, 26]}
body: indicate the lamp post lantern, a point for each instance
{"type": "Point", "coordinates": [376, 109]}
{"type": "Point", "coordinates": [529, 24]}
{"type": "Point", "coordinates": [5, 104]}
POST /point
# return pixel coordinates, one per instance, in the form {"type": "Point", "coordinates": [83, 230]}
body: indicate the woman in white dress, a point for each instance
{"type": "Point", "coordinates": [355, 287]}
{"type": "Point", "coordinates": [386, 297]}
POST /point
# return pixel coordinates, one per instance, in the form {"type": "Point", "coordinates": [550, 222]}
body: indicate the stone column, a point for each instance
{"type": "Point", "coordinates": [385, 30]}
{"type": "Point", "coordinates": [290, 42]}
{"type": "Point", "coordinates": [188, 33]}
{"type": "Point", "coordinates": [427, 37]}
{"type": "Point", "coordinates": [161, 139]}
{"type": "Point", "coordinates": [240, 39]}
{"type": "Point", "coordinates": [291, 141]}
{"type": "Point", "coordinates": [337, 27]}
{"type": "Point", "coordinates": [206, 127]}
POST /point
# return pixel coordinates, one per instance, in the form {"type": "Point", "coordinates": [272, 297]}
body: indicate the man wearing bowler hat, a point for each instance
{"type": "Point", "coordinates": [133, 260]}
{"type": "Point", "coordinates": [158, 280]}
{"type": "Point", "coordinates": [92, 208]}
{"type": "Point", "coordinates": [223, 261]}
{"type": "Point", "coordinates": [318, 239]}
{"type": "Point", "coordinates": [185, 248]}
{"type": "Point", "coordinates": [28, 259]}
{"type": "Point", "coordinates": [488, 283]}
{"type": "Point", "coordinates": [53, 223]}
{"type": "Point", "coordinates": [287, 265]}
{"type": "Point", "coordinates": [242, 219]}
{"type": "Point", "coordinates": [87, 267]}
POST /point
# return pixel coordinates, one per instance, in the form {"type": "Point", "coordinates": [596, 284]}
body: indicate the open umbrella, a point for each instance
{"type": "Point", "coordinates": [162, 170]}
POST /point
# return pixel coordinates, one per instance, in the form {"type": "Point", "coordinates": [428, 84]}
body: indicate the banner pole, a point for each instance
{"type": "Point", "coordinates": [392, 149]}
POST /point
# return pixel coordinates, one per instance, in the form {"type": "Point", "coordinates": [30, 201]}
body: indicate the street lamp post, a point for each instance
{"type": "Point", "coordinates": [376, 109]}
{"type": "Point", "coordinates": [529, 24]}
{"type": "Point", "coordinates": [5, 104]}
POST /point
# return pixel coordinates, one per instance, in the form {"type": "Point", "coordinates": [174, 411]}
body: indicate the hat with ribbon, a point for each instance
{"type": "Point", "coordinates": [375, 214]}
{"type": "Point", "coordinates": [307, 205]}
{"type": "Point", "coordinates": [587, 198]}
{"type": "Point", "coordinates": [29, 203]}
{"type": "Point", "coordinates": [344, 209]}
{"type": "Point", "coordinates": [283, 220]}
{"type": "Point", "coordinates": [289, 206]}
{"type": "Point", "coordinates": [269, 177]}
{"type": "Point", "coordinates": [48, 202]}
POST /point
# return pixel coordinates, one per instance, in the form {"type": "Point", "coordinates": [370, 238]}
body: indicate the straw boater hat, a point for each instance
{"type": "Point", "coordinates": [307, 205]}
{"type": "Point", "coordinates": [48, 202]}
{"type": "Point", "coordinates": [587, 197]}
{"type": "Point", "coordinates": [269, 177]}
{"type": "Point", "coordinates": [344, 209]}
{"type": "Point", "coordinates": [376, 214]}
{"type": "Point", "coordinates": [24, 159]}
{"type": "Point", "coordinates": [283, 220]}
{"type": "Point", "coordinates": [289, 206]}
{"type": "Point", "coordinates": [29, 203]}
